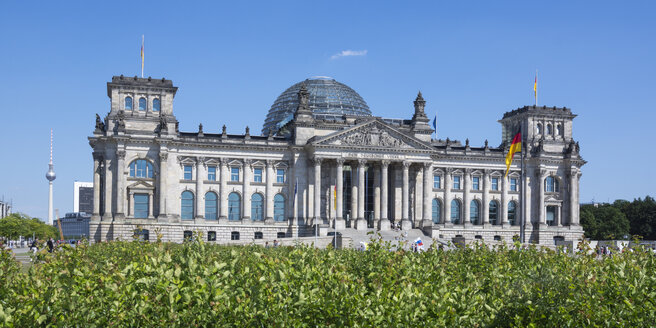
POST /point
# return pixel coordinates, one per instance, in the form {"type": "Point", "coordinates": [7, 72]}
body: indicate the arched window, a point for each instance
{"type": "Point", "coordinates": [234, 207]}
{"type": "Point", "coordinates": [494, 213]}
{"type": "Point", "coordinates": [455, 211]}
{"type": "Point", "coordinates": [512, 216]}
{"type": "Point", "coordinates": [279, 208]}
{"type": "Point", "coordinates": [128, 103]}
{"type": "Point", "coordinates": [539, 128]}
{"type": "Point", "coordinates": [156, 105]}
{"type": "Point", "coordinates": [551, 184]}
{"type": "Point", "coordinates": [187, 206]}
{"type": "Point", "coordinates": [549, 129]}
{"type": "Point", "coordinates": [256, 207]}
{"type": "Point", "coordinates": [141, 168]}
{"type": "Point", "coordinates": [210, 206]}
{"type": "Point", "coordinates": [474, 212]}
{"type": "Point", "coordinates": [559, 130]}
{"type": "Point", "coordinates": [142, 103]}
{"type": "Point", "coordinates": [437, 210]}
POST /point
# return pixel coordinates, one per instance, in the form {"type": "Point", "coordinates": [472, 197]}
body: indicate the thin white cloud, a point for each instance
{"type": "Point", "coordinates": [349, 53]}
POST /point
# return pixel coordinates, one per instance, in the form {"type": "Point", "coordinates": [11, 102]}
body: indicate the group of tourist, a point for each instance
{"type": "Point", "coordinates": [276, 243]}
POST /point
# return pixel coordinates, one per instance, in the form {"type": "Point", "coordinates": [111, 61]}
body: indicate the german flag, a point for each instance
{"type": "Point", "coordinates": [515, 147]}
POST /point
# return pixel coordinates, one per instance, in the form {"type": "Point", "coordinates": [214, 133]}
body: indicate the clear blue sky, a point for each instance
{"type": "Point", "coordinates": [472, 61]}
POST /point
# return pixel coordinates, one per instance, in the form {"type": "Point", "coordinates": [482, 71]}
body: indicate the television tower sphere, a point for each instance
{"type": "Point", "coordinates": [51, 176]}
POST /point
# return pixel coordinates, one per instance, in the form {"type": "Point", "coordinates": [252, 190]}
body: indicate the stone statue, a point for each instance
{"type": "Point", "coordinates": [163, 126]}
{"type": "Point", "coordinates": [100, 126]}
{"type": "Point", "coordinates": [486, 143]}
{"type": "Point", "coordinates": [120, 121]}
{"type": "Point", "coordinates": [223, 131]}
{"type": "Point", "coordinates": [200, 128]}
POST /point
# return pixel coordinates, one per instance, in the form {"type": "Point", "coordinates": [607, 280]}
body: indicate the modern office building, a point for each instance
{"type": "Point", "coordinates": [83, 197]}
{"type": "Point", "coordinates": [74, 225]}
{"type": "Point", "coordinates": [325, 161]}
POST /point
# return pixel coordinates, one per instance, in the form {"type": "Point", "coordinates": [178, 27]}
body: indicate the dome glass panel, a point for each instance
{"type": "Point", "coordinates": [329, 100]}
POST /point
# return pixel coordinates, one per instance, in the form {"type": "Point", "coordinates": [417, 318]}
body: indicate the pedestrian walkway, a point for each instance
{"type": "Point", "coordinates": [392, 236]}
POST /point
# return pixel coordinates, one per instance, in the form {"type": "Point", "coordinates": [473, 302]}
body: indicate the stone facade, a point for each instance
{"type": "Point", "coordinates": [356, 173]}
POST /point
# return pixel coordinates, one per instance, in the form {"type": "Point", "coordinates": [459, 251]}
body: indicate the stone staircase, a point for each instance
{"type": "Point", "coordinates": [353, 237]}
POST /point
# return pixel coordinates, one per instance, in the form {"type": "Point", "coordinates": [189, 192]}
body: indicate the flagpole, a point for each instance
{"type": "Point", "coordinates": [142, 54]}
{"type": "Point", "coordinates": [522, 199]}
{"type": "Point", "coordinates": [536, 88]}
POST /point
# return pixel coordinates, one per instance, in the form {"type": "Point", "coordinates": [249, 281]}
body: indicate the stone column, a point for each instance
{"type": "Point", "coordinates": [384, 224]}
{"type": "Point", "coordinates": [270, 176]}
{"type": "Point", "coordinates": [120, 185]}
{"type": "Point", "coordinates": [427, 199]}
{"type": "Point", "coordinates": [223, 197]}
{"type": "Point", "coordinates": [246, 194]}
{"type": "Point", "coordinates": [376, 181]}
{"type": "Point", "coordinates": [108, 190]}
{"type": "Point", "coordinates": [97, 159]}
{"type": "Point", "coordinates": [486, 197]}
{"type": "Point", "coordinates": [405, 220]}
{"type": "Point", "coordinates": [503, 207]}
{"type": "Point", "coordinates": [361, 223]}
{"type": "Point", "coordinates": [200, 209]}
{"type": "Point", "coordinates": [466, 199]}
{"type": "Point", "coordinates": [339, 221]}
{"type": "Point", "coordinates": [354, 195]}
{"type": "Point", "coordinates": [541, 209]}
{"type": "Point", "coordinates": [163, 165]}
{"type": "Point", "coordinates": [447, 196]}
{"type": "Point", "coordinates": [317, 191]}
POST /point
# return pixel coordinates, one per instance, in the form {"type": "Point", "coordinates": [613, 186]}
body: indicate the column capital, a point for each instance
{"type": "Point", "coordinates": [541, 173]}
{"type": "Point", "coordinates": [120, 154]}
{"type": "Point", "coordinates": [200, 160]}
{"type": "Point", "coordinates": [468, 171]}
{"type": "Point", "coordinates": [385, 163]}
{"type": "Point", "coordinates": [317, 161]}
{"type": "Point", "coordinates": [340, 161]}
{"type": "Point", "coordinates": [269, 163]}
{"type": "Point", "coordinates": [406, 164]}
{"type": "Point", "coordinates": [247, 162]}
{"type": "Point", "coordinates": [163, 156]}
{"type": "Point", "coordinates": [362, 162]}
{"type": "Point", "coordinates": [486, 172]}
{"type": "Point", "coordinates": [428, 165]}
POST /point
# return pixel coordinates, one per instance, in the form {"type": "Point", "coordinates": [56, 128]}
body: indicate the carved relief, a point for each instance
{"type": "Point", "coordinates": [372, 137]}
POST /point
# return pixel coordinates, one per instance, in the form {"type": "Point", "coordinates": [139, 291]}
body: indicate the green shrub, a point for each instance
{"type": "Point", "coordinates": [141, 284]}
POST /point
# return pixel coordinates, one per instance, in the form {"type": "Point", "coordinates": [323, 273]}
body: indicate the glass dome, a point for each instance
{"type": "Point", "coordinates": [329, 99]}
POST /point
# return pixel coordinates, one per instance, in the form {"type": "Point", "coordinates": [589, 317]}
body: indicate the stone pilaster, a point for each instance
{"type": "Point", "coordinates": [503, 207]}
{"type": "Point", "coordinates": [223, 192]}
{"type": "Point", "coordinates": [427, 199]}
{"type": "Point", "coordinates": [486, 197]}
{"type": "Point", "coordinates": [270, 176]}
{"type": "Point", "coordinates": [466, 199]}
{"type": "Point", "coordinates": [120, 186]}
{"type": "Point", "coordinates": [108, 191]}
{"type": "Point", "coordinates": [542, 219]}
{"type": "Point", "coordinates": [163, 168]}
{"type": "Point", "coordinates": [200, 176]}
{"type": "Point", "coordinates": [97, 166]}
{"type": "Point", "coordinates": [246, 197]}
{"type": "Point", "coordinates": [573, 197]}
{"type": "Point", "coordinates": [447, 196]}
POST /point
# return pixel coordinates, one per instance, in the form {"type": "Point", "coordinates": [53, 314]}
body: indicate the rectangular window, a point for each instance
{"type": "Point", "coordinates": [437, 183]}
{"type": "Point", "coordinates": [211, 173]}
{"type": "Point", "coordinates": [211, 236]}
{"type": "Point", "coordinates": [187, 172]}
{"type": "Point", "coordinates": [234, 174]}
{"type": "Point", "coordinates": [513, 184]}
{"type": "Point", "coordinates": [257, 175]}
{"type": "Point", "coordinates": [456, 182]}
{"type": "Point", "coordinates": [141, 206]}
{"type": "Point", "coordinates": [280, 176]}
{"type": "Point", "coordinates": [495, 183]}
{"type": "Point", "coordinates": [476, 183]}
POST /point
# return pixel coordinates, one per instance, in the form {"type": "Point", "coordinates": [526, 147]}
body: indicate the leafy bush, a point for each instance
{"type": "Point", "coordinates": [139, 284]}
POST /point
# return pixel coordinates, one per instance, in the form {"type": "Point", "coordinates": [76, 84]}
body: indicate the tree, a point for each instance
{"type": "Point", "coordinates": [604, 222]}
{"type": "Point", "coordinates": [19, 224]}
{"type": "Point", "coordinates": [642, 216]}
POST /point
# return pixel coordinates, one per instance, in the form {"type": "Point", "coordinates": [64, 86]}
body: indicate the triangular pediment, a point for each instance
{"type": "Point", "coordinates": [372, 134]}
{"type": "Point", "coordinates": [141, 184]}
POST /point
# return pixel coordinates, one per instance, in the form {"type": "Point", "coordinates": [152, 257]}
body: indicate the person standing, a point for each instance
{"type": "Point", "coordinates": [51, 245]}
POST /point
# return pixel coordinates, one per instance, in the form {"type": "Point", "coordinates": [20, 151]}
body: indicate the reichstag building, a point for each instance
{"type": "Point", "coordinates": [323, 161]}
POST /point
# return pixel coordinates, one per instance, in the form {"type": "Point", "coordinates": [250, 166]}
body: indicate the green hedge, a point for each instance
{"type": "Point", "coordinates": [133, 284]}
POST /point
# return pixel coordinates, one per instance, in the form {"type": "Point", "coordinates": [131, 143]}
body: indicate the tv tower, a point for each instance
{"type": "Point", "coordinates": [51, 177]}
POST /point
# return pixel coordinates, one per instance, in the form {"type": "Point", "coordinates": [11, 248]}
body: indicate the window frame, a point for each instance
{"type": "Point", "coordinates": [184, 172]}
{"type": "Point", "coordinates": [235, 172]}
{"type": "Point", "coordinates": [278, 212]}
{"type": "Point", "coordinates": [513, 184]}
{"type": "Point", "coordinates": [280, 175]}
{"type": "Point", "coordinates": [437, 181]}
{"type": "Point", "coordinates": [158, 107]}
{"type": "Point", "coordinates": [145, 104]}
{"type": "Point", "coordinates": [125, 103]}
{"type": "Point", "coordinates": [137, 210]}
{"type": "Point", "coordinates": [496, 212]}
{"type": "Point", "coordinates": [234, 207]}
{"type": "Point", "coordinates": [257, 207]}
{"type": "Point", "coordinates": [211, 173]}
{"type": "Point", "coordinates": [455, 219]}
{"type": "Point", "coordinates": [257, 174]}
{"type": "Point", "coordinates": [494, 183]}
{"type": "Point", "coordinates": [136, 170]}
{"type": "Point", "coordinates": [187, 203]}
{"type": "Point", "coordinates": [213, 208]}
{"type": "Point", "coordinates": [476, 183]}
{"type": "Point", "coordinates": [456, 182]}
{"type": "Point", "coordinates": [474, 204]}
{"type": "Point", "coordinates": [436, 210]}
